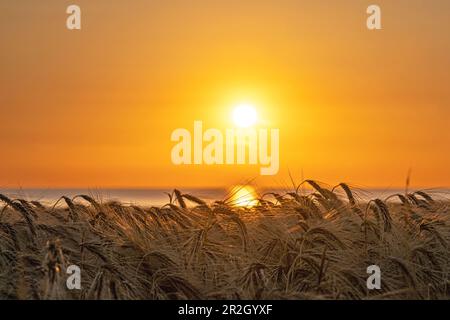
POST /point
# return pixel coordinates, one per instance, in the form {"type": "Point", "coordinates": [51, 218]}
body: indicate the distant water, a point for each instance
{"type": "Point", "coordinates": [143, 197]}
{"type": "Point", "coordinates": [159, 197]}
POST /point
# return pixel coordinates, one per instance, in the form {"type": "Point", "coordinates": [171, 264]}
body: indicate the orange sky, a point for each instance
{"type": "Point", "coordinates": [96, 107]}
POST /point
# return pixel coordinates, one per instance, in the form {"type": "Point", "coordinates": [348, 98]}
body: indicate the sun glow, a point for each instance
{"type": "Point", "coordinates": [245, 115]}
{"type": "Point", "coordinates": [244, 196]}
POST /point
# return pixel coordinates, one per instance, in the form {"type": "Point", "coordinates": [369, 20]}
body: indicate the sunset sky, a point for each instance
{"type": "Point", "coordinates": [96, 107]}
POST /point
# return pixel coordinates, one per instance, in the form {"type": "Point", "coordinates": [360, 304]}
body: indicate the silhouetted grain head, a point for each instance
{"type": "Point", "coordinates": [180, 199]}
{"type": "Point", "coordinates": [38, 205]}
{"type": "Point", "coordinates": [348, 192]}
{"type": "Point", "coordinates": [27, 207]}
{"type": "Point", "coordinates": [89, 199]}
{"type": "Point", "coordinates": [381, 211]}
{"type": "Point", "coordinates": [5, 199]}
{"type": "Point", "coordinates": [195, 200]}
{"type": "Point", "coordinates": [326, 194]}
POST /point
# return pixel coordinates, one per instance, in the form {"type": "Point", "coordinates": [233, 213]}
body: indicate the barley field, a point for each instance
{"type": "Point", "coordinates": [296, 245]}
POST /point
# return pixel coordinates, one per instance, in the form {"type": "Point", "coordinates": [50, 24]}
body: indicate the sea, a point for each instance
{"type": "Point", "coordinates": [160, 197]}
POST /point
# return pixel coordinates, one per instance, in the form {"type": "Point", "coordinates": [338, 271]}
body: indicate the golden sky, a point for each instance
{"type": "Point", "coordinates": [96, 107]}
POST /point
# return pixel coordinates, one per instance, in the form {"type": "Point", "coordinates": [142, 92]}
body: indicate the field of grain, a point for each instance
{"type": "Point", "coordinates": [290, 246]}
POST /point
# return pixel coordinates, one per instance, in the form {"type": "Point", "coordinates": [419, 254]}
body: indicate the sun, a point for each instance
{"type": "Point", "coordinates": [244, 196]}
{"type": "Point", "coordinates": [244, 115]}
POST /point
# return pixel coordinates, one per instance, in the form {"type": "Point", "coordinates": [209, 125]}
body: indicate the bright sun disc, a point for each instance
{"type": "Point", "coordinates": [244, 116]}
{"type": "Point", "coordinates": [244, 196]}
